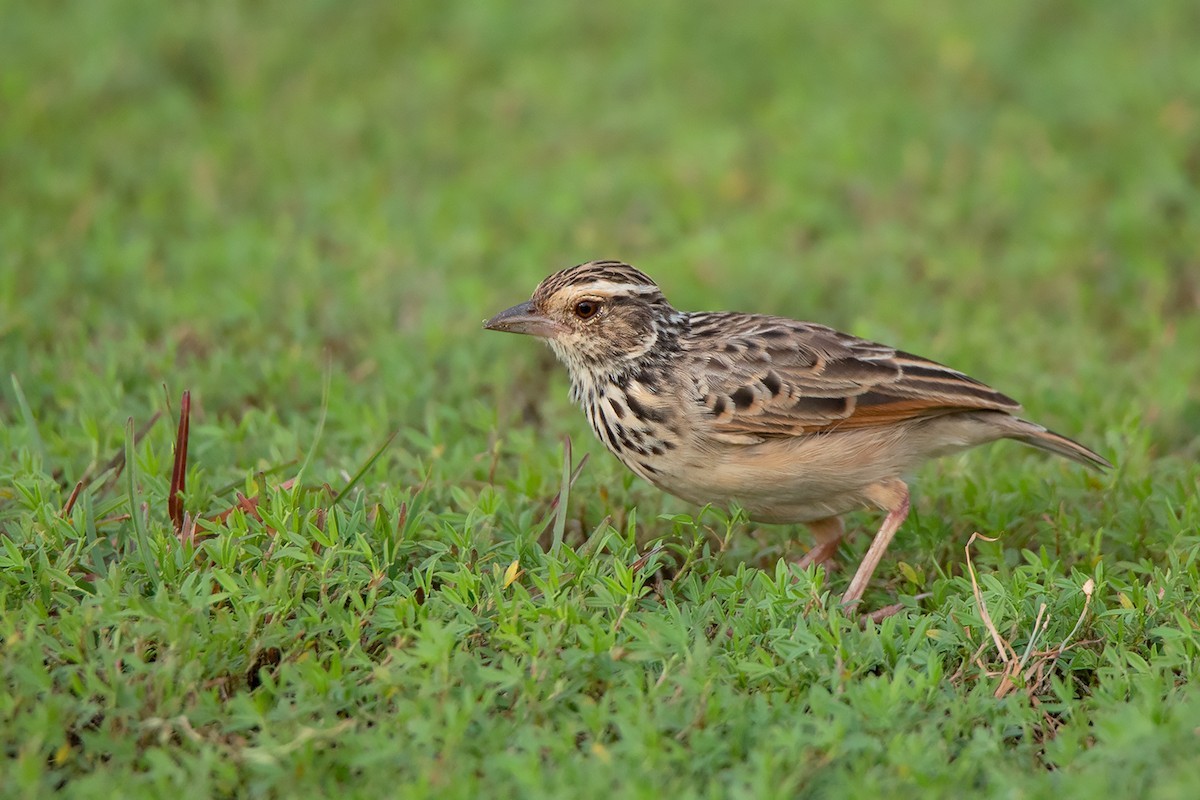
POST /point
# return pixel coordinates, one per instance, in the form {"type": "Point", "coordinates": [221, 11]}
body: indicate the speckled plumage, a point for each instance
{"type": "Point", "coordinates": [794, 421]}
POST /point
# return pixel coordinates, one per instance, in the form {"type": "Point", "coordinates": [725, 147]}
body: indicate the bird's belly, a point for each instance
{"type": "Point", "coordinates": [761, 493]}
{"type": "Point", "coordinates": [784, 480]}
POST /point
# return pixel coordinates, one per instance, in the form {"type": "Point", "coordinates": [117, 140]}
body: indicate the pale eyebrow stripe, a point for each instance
{"type": "Point", "coordinates": [619, 288]}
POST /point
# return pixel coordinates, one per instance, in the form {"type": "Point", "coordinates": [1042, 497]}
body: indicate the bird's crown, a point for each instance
{"type": "Point", "coordinates": [609, 277]}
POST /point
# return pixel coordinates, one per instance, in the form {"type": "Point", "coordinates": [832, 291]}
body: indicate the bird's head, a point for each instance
{"type": "Point", "coordinates": [601, 316]}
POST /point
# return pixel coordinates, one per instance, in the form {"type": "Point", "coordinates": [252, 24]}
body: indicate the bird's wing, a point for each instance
{"type": "Point", "coordinates": [765, 377]}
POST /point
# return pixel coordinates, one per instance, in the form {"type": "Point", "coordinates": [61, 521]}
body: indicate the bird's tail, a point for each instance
{"type": "Point", "coordinates": [1033, 434]}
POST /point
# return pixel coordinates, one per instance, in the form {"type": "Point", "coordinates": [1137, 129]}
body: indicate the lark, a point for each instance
{"type": "Point", "coordinates": [793, 421]}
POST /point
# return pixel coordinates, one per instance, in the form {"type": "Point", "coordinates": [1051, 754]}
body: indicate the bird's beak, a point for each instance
{"type": "Point", "coordinates": [523, 319]}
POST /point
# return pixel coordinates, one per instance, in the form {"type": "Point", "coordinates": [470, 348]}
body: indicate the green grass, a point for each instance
{"type": "Point", "coordinates": [301, 211]}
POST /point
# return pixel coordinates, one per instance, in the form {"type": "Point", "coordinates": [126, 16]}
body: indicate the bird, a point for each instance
{"type": "Point", "coordinates": [793, 422]}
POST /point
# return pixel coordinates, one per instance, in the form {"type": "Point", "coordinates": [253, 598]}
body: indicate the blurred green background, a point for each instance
{"type": "Point", "coordinates": [215, 196]}
{"type": "Point", "coordinates": [238, 197]}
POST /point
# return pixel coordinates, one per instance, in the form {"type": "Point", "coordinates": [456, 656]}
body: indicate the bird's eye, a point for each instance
{"type": "Point", "coordinates": [586, 309]}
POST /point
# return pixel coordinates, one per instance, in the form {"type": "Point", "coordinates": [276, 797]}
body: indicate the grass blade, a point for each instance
{"type": "Point", "coordinates": [117, 462]}
{"type": "Point", "coordinates": [35, 435]}
{"type": "Point", "coordinates": [312, 450]}
{"type": "Point", "coordinates": [139, 527]}
{"type": "Point", "coordinates": [560, 513]}
{"type": "Point", "coordinates": [179, 468]}
{"type": "Point", "coordinates": [363, 469]}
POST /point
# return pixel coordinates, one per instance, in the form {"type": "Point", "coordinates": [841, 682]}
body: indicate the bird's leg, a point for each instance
{"type": "Point", "coordinates": [827, 533]}
{"type": "Point", "coordinates": [892, 496]}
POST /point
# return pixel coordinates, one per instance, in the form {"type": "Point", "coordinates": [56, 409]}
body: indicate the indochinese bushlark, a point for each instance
{"type": "Point", "coordinates": [793, 421]}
